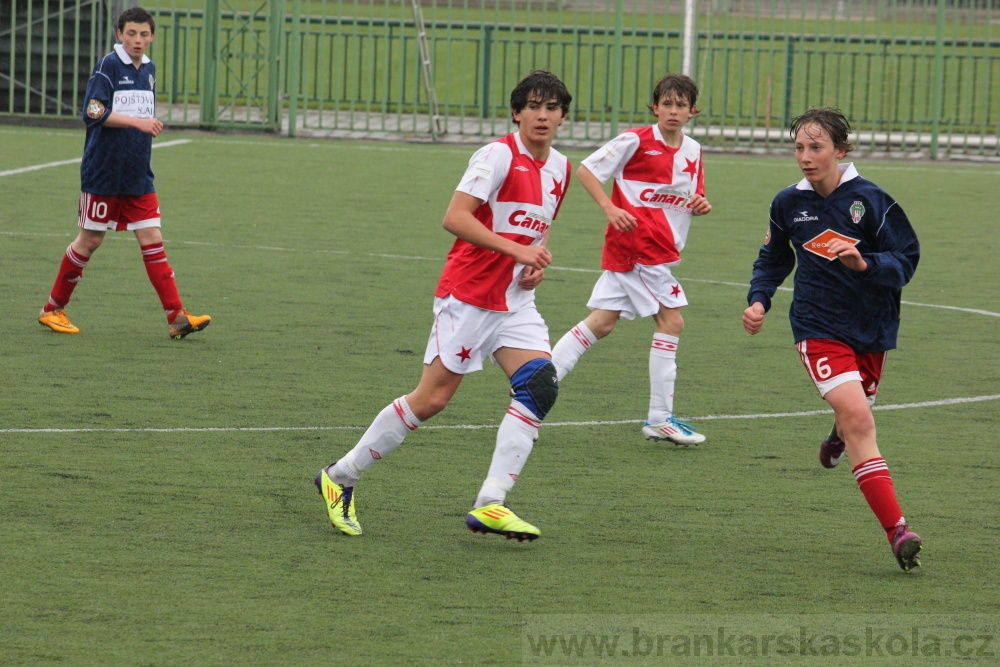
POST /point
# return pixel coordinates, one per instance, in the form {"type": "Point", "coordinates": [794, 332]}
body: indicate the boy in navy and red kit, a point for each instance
{"type": "Point", "coordinates": [484, 307]}
{"type": "Point", "coordinates": [855, 250]}
{"type": "Point", "coordinates": [659, 184]}
{"type": "Point", "coordinates": [117, 191]}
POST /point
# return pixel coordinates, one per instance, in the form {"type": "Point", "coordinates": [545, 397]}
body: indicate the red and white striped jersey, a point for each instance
{"type": "Point", "coordinates": [654, 183]}
{"type": "Point", "coordinates": [521, 197]}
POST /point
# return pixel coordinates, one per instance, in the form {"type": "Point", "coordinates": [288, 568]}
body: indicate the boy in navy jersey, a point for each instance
{"type": "Point", "coordinates": [484, 307]}
{"type": "Point", "coordinates": [659, 185]}
{"type": "Point", "coordinates": [856, 250]}
{"type": "Point", "coordinates": [117, 191]}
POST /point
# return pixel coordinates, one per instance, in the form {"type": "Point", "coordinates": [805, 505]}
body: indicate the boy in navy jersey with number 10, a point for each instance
{"type": "Point", "coordinates": [855, 250]}
{"type": "Point", "coordinates": [116, 187]}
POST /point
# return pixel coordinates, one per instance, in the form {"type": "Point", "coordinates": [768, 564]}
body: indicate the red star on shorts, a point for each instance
{"type": "Point", "coordinates": [557, 190]}
{"type": "Point", "coordinates": [464, 354]}
{"type": "Point", "coordinates": [676, 290]}
{"type": "Point", "coordinates": [692, 167]}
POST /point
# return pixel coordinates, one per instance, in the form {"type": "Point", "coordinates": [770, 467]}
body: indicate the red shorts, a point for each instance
{"type": "Point", "coordinates": [104, 213]}
{"type": "Point", "coordinates": [831, 364]}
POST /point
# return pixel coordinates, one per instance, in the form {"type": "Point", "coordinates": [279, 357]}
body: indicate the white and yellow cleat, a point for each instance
{"type": "Point", "coordinates": [339, 503]}
{"type": "Point", "coordinates": [501, 520]}
{"type": "Point", "coordinates": [57, 321]}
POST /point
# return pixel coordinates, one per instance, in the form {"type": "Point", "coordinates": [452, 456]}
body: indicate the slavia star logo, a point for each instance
{"type": "Point", "coordinates": [857, 211]}
{"type": "Point", "coordinates": [820, 245]}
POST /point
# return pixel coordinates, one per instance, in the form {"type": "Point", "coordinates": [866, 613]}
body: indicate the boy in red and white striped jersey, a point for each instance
{"type": "Point", "coordinates": [659, 184]}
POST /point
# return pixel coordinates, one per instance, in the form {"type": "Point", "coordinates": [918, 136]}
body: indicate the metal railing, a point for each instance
{"type": "Point", "coordinates": [906, 73]}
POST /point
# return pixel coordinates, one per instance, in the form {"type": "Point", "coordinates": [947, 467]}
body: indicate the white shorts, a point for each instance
{"type": "Point", "coordinates": [640, 291]}
{"type": "Point", "coordinates": [463, 335]}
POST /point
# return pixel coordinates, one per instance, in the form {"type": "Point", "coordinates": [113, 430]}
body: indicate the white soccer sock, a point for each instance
{"type": "Point", "coordinates": [662, 375]}
{"type": "Point", "coordinates": [570, 348]}
{"type": "Point", "coordinates": [515, 438]}
{"type": "Point", "coordinates": [385, 434]}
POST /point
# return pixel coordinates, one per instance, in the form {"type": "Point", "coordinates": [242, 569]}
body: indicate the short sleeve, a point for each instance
{"type": "Point", "coordinates": [487, 170]}
{"type": "Point", "coordinates": [610, 159]}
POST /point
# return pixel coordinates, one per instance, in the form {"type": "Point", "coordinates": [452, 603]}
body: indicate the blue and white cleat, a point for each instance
{"type": "Point", "coordinates": [673, 430]}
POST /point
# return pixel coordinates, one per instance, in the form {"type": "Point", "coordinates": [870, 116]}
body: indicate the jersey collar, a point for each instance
{"type": "Point", "coordinates": [847, 173]}
{"type": "Point", "coordinates": [126, 58]}
{"type": "Point", "coordinates": [658, 135]}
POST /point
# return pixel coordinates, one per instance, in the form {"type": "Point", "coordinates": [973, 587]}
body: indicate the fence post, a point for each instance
{"type": "Point", "coordinates": [688, 58]}
{"type": "Point", "coordinates": [487, 47]}
{"type": "Point", "coordinates": [295, 55]}
{"type": "Point", "coordinates": [275, 33]}
{"type": "Point", "coordinates": [938, 80]}
{"type": "Point", "coordinates": [789, 77]}
{"type": "Point", "coordinates": [616, 68]}
{"type": "Point", "coordinates": [210, 78]}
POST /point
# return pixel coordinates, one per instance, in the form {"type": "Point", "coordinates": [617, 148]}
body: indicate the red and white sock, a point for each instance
{"type": "Point", "coordinates": [515, 439]}
{"type": "Point", "coordinates": [875, 483]}
{"type": "Point", "coordinates": [70, 273]}
{"type": "Point", "coordinates": [160, 274]}
{"type": "Point", "coordinates": [570, 348]}
{"type": "Point", "coordinates": [662, 376]}
{"type": "Point", "coordinates": [386, 433]}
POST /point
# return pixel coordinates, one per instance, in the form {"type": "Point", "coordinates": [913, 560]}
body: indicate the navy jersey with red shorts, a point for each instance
{"type": "Point", "coordinates": [116, 159]}
{"type": "Point", "coordinates": [832, 301]}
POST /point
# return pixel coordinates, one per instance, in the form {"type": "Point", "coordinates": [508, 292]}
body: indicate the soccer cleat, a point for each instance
{"type": "Point", "coordinates": [906, 547]}
{"type": "Point", "coordinates": [339, 504]}
{"type": "Point", "coordinates": [57, 321]}
{"type": "Point", "coordinates": [673, 430]}
{"type": "Point", "coordinates": [501, 520]}
{"type": "Point", "coordinates": [831, 450]}
{"type": "Point", "coordinates": [185, 323]}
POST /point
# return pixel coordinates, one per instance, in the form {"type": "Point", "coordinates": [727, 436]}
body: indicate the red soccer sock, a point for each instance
{"type": "Point", "coordinates": [876, 484]}
{"type": "Point", "coordinates": [162, 277]}
{"type": "Point", "coordinates": [70, 273]}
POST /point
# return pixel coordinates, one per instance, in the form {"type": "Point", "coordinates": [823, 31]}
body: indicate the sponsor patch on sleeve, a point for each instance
{"type": "Point", "coordinates": [482, 169]}
{"type": "Point", "coordinates": [95, 109]}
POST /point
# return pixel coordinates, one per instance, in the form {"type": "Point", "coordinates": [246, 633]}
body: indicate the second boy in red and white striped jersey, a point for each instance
{"type": "Point", "coordinates": [659, 184]}
{"type": "Point", "coordinates": [484, 306]}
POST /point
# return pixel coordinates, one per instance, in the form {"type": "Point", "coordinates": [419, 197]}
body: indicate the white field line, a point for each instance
{"type": "Point", "coordinates": [61, 163]}
{"type": "Point", "coordinates": [924, 404]}
{"type": "Point", "coordinates": [418, 258]}
{"type": "Point", "coordinates": [473, 427]}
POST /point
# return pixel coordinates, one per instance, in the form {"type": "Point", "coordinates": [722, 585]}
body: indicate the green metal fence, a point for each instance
{"type": "Point", "coordinates": [915, 76]}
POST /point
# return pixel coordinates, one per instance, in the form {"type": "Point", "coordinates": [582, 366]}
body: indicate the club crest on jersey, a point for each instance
{"type": "Point", "coordinates": [95, 109]}
{"type": "Point", "coordinates": [857, 211]}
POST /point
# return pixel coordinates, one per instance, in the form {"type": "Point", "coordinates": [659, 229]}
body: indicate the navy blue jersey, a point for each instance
{"type": "Point", "coordinates": [830, 300]}
{"type": "Point", "coordinates": [116, 159]}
